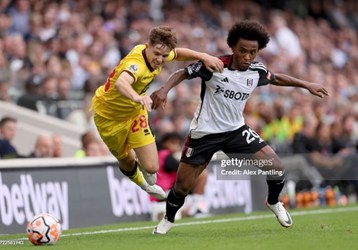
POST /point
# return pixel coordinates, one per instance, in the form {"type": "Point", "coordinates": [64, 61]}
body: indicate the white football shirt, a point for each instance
{"type": "Point", "coordinates": [224, 95]}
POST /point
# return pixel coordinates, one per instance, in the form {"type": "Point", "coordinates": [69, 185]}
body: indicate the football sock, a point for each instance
{"type": "Point", "coordinates": [275, 186]}
{"type": "Point", "coordinates": [135, 175]}
{"type": "Point", "coordinates": [173, 204]}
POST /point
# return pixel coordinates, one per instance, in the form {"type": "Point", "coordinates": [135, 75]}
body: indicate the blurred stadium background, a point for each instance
{"type": "Point", "coordinates": [54, 54]}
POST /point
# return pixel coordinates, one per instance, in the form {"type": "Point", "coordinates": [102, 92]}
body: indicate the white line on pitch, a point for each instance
{"type": "Point", "coordinates": [253, 217]}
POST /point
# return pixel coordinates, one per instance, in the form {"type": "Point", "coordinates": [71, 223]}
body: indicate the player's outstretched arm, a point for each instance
{"type": "Point", "coordinates": [124, 86]}
{"type": "Point", "coordinates": [212, 63]}
{"type": "Point", "coordinates": [290, 81]}
{"type": "Point", "coordinates": [159, 97]}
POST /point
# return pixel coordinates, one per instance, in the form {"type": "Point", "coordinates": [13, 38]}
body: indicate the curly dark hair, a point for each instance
{"type": "Point", "coordinates": [249, 30]}
{"type": "Point", "coordinates": [163, 35]}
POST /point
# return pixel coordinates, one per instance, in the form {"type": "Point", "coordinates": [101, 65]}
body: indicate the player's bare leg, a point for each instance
{"type": "Point", "coordinates": [148, 162]}
{"type": "Point", "coordinates": [129, 167]}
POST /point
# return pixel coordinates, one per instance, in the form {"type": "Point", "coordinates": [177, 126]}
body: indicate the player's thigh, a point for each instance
{"type": "Point", "coordinates": [187, 176]}
{"type": "Point", "coordinates": [114, 134]}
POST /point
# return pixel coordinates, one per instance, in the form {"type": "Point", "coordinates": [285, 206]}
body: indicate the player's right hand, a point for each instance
{"type": "Point", "coordinates": [212, 63]}
{"type": "Point", "coordinates": [145, 101]}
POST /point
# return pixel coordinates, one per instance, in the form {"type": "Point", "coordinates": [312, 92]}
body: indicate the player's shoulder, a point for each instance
{"type": "Point", "coordinates": [134, 58]}
{"type": "Point", "coordinates": [258, 66]}
{"type": "Point", "coordinates": [138, 48]}
{"type": "Point", "coordinates": [226, 59]}
{"type": "Point", "coordinates": [136, 53]}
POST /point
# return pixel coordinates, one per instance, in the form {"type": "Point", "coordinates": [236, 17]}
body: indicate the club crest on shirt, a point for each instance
{"type": "Point", "coordinates": [268, 76]}
{"type": "Point", "coordinates": [189, 152]}
{"type": "Point", "coordinates": [133, 68]}
{"type": "Point", "coordinates": [249, 82]}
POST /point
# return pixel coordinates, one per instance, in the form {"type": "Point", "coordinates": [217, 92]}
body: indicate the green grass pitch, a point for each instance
{"type": "Point", "coordinates": [320, 228]}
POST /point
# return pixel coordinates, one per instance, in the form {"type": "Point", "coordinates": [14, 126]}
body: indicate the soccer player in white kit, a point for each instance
{"type": "Point", "coordinates": [218, 122]}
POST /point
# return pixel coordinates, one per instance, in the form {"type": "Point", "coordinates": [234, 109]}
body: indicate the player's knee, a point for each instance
{"type": "Point", "coordinates": [204, 175]}
{"type": "Point", "coordinates": [280, 167]}
{"type": "Point", "coordinates": [182, 188]}
{"type": "Point", "coordinates": [151, 168]}
{"type": "Point", "coordinates": [181, 191]}
{"type": "Point", "coordinates": [278, 173]}
{"type": "Point", "coordinates": [277, 165]}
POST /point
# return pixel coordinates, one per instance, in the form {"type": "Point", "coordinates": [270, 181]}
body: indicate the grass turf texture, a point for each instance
{"type": "Point", "coordinates": [321, 228]}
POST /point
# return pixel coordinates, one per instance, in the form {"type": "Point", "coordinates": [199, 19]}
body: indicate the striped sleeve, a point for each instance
{"type": "Point", "coordinates": [198, 70]}
{"type": "Point", "coordinates": [266, 76]}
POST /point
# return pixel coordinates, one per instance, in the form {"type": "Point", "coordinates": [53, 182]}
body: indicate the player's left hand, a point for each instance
{"type": "Point", "coordinates": [317, 90]}
{"type": "Point", "coordinates": [159, 98]}
{"type": "Point", "coordinates": [212, 63]}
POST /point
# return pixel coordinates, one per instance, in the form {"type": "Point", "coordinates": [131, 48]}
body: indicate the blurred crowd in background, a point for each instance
{"type": "Point", "coordinates": [54, 54]}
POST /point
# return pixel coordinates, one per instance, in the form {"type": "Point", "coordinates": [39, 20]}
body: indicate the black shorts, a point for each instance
{"type": "Point", "coordinates": [241, 141]}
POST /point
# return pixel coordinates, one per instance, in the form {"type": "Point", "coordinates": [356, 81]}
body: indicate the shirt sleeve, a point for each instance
{"type": "Point", "coordinates": [266, 76]}
{"type": "Point", "coordinates": [134, 68]}
{"type": "Point", "coordinates": [172, 56]}
{"type": "Point", "coordinates": [198, 70]}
